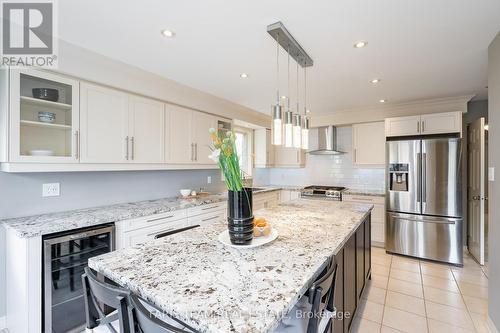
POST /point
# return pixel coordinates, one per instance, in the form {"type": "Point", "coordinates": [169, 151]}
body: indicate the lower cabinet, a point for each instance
{"type": "Point", "coordinates": [145, 229]}
{"type": "Point", "coordinates": [265, 200]}
{"type": "Point", "coordinates": [287, 195]}
{"type": "Point", "coordinates": [353, 271]}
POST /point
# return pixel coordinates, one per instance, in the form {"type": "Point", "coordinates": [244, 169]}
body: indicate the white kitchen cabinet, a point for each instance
{"type": "Point", "coordinates": [440, 123]}
{"type": "Point", "coordinates": [378, 214]}
{"type": "Point", "coordinates": [427, 124]}
{"type": "Point", "coordinates": [402, 126]}
{"type": "Point", "coordinates": [207, 214]}
{"type": "Point", "coordinates": [287, 195]}
{"type": "Point", "coordinates": [202, 122]}
{"type": "Point", "coordinates": [27, 132]}
{"type": "Point", "coordinates": [104, 117]}
{"type": "Point", "coordinates": [263, 148]}
{"type": "Point", "coordinates": [265, 200]}
{"type": "Point", "coordinates": [368, 142]}
{"type": "Point", "coordinates": [146, 130]}
{"type": "Point", "coordinates": [289, 157]}
{"type": "Point", "coordinates": [144, 229]}
{"type": "Point", "coordinates": [188, 135]}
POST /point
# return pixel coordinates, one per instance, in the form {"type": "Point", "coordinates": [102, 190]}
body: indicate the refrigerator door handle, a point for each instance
{"type": "Point", "coordinates": [424, 178]}
{"type": "Point", "coordinates": [419, 173]}
{"type": "Point", "coordinates": [441, 221]}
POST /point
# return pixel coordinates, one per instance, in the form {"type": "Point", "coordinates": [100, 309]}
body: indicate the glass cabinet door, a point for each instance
{"type": "Point", "coordinates": [45, 117]}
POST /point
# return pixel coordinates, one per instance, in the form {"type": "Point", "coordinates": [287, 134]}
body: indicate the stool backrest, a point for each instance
{"type": "Point", "coordinates": [97, 292]}
{"type": "Point", "coordinates": [146, 321]}
{"type": "Point", "coordinates": [321, 294]}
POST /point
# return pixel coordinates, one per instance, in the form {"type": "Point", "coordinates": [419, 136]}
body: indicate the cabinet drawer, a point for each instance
{"type": "Point", "coordinates": [363, 198]}
{"type": "Point", "coordinates": [147, 234]}
{"type": "Point", "coordinates": [207, 218]}
{"type": "Point", "coordinates": [151, 220]}
{"type": "Point", "coordinates": [208, 208]}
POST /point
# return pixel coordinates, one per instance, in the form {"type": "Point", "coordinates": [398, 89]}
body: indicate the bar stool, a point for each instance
{"type": "Point", "coordinates": [95, 292]}
{"type": "Point", "coordinates": [315, 311]}
{"type": "Point", "coordinates": [145, 319]}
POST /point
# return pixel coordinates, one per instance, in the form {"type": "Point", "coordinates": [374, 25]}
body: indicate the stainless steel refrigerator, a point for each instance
{"type": "Point", "coordinates": [424, 199]}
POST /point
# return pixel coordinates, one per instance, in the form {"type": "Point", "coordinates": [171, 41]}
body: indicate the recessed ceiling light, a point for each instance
{"type": "Point", "coordinates": [375, 81]}
{"type": "Point", "coordinates": [243, 75]}
{"type": "Point", "coordinates": [168, 33]}
{"type": "Point", "coordinates": [382, 100]}
{"type": "Point", "coordinates": [360, 44]}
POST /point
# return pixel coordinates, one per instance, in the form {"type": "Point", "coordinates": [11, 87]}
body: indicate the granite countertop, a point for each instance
{"type": "Point", "coordinates": [368, 192]}
{"type": "Point", "coordinates": [38, 225]}
{"type": "Point", "coordinates": [216, 288]}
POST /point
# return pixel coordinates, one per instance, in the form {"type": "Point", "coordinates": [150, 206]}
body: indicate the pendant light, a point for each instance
{"type": "Point", "coordinates": [288, 126]}
{"type": "Point", "coordinates": [305, 124]}
{"type": "Point", "coordinates": [297, 119]}
{"type": "Point", "coordinates": [277, 114]}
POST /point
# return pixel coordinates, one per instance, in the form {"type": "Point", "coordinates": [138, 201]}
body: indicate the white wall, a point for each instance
{"type": "Point", "coordinates": [494, 187]}
{"type": "Point", "coordinates": [328, 169]}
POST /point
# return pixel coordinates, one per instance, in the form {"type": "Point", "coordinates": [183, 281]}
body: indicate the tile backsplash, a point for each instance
{"type": "Point", "coordinates": [327, 169]}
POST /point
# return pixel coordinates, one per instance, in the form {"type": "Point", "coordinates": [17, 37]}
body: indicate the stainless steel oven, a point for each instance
{"type": "Point", "coordinates": [65, 256]}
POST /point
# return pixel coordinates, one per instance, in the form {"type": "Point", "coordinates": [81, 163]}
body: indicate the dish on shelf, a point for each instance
{"type": "Point", "coordinates": [256, 241]}
{"type": "Point", "coordinates": [46, 117]}
{"type": "Point", "coordinates": [47, 94]}
{"type": "Point", "coordinates": [41, 152]}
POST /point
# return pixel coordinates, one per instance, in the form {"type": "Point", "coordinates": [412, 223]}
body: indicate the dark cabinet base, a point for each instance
{"type": "Point", "coordinates": [354, 270]}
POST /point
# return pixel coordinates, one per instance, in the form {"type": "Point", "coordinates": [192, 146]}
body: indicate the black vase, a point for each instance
{"type": "Point", "coordinates": [240, 216]}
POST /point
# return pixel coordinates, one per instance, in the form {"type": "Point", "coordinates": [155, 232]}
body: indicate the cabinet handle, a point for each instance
{"type": "Point", "coordinates": [196, 152]}
{"type": "Point", "coordinates": [418, 127]}
{"type": "Point", "coordinates": [161, 232]}
{"type": "Point", "coordinates": [132, 142]}
{"type": "Point", "coordinates": [126, 145]}
{"type": "Point", "coordinates": [355, 155]}
{"type": "Point", "coordinates": [362, 199]}
{"type": "Point", "coordinates": [423, 126]}
{"type": "Point", "coordinates": [192, 152]}
{"type": "Point", "coordinates": [77, 143]}
{"type": "Point", "coordinates": [210, 218]}
{"type": "Point", "coordinates": [160, 218]}
{"type": "Point", "coordinates": [298, 156]}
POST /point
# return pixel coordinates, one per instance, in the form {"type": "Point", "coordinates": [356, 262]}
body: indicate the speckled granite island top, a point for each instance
{"type": "Point", "coordinates": [44, 224]}
{"type": "Point", "coordinates": [216, 288]}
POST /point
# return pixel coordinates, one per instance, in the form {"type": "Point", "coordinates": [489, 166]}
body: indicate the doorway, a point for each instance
{"type": "Point", "coordinates": [477, 190]}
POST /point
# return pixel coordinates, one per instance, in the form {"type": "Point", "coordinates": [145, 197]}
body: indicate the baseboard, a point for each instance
{"type": "Point", "coordinates": [378, 244]}
{"type": "Point", "coordinates": [491, 326]}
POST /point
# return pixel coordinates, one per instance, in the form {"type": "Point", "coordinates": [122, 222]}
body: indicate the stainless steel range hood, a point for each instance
{"type": "Point", "coordinates": [327, 141]}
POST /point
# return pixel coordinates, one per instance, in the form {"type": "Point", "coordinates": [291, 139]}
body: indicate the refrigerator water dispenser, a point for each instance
{"type": "Point", "coordinates": [398, 177]}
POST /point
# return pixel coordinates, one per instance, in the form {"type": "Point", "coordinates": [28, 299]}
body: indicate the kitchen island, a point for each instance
{"type": "Point", "coordinates": [215, 288]}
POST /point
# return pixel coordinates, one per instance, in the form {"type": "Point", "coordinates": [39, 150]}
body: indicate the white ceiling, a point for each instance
{"type": "Point", "coordinates": [419, 48]}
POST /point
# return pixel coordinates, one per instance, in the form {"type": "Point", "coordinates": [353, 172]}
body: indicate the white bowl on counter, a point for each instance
{"type": "Point", "coordinates": [185, 192]}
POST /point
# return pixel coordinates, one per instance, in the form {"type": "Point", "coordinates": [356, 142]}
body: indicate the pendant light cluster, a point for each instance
{"type": "Point", "coordinates": [292, 130]}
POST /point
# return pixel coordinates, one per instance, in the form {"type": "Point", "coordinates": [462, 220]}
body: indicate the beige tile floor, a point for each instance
{"type": "Point", "coordinates": [413, 296]}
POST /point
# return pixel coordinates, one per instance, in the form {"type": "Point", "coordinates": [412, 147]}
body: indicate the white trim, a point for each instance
{"type": "Point", "coordinates": [491, 326]}
{"type": "Point", "coordinates": [2, 323]}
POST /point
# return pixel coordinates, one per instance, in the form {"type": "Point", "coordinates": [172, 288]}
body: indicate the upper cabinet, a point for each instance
{"type": "Point", "coordinates": [104, 125]}
{"type": "Point", "coordinates": [434, 123]}
{"type": "Point", "coordinates": [44, 117]}
{"type": "Point", "coordinates": [146, 130]}
{"type": "Point", "coordinates": [188, 136]}
{"type": "Point", "coordinates": [289, 157]}
{"type": "Point", "coordinates": [368, 144]}
{"type": "Point", "coordinates": [263, 148]}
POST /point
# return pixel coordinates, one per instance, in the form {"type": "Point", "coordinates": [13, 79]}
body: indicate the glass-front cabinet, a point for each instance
{"type": "Point", "coordinates": [44, 117]}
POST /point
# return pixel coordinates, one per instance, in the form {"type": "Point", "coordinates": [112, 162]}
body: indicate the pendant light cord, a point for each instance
{"type": "Point", "coordinates": [288, 97]}
{"type": "Point", "coordinates": [298, 111]}
{"type": "Point", "coordinates": [305, 90]}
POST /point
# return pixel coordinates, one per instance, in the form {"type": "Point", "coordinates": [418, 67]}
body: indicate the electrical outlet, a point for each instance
{"type": "Point", "coordinates": [50, 190]}
{"type": "Point", "coordinates": [209, 180]}
{"type": "Point", "coordinates": [491, 174]}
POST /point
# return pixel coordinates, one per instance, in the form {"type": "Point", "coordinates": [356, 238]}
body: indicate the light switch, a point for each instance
{"type": "Point", "coordinates": [50, 190]}
{"type": "Point", "coordinates": [491, 174]}
{"type": "Point", "coordinates": [209, 180]}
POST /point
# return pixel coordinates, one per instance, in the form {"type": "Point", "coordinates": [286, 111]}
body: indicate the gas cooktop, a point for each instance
{"type": "Point", "coordinates": [321, 191]}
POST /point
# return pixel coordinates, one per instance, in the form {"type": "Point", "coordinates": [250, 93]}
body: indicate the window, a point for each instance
{"type": "Point", "coordinates": [243, 141]}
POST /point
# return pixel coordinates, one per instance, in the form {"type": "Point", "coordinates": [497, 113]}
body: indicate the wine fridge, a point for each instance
{"type": "Point", "coordinates": [65, 257]}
